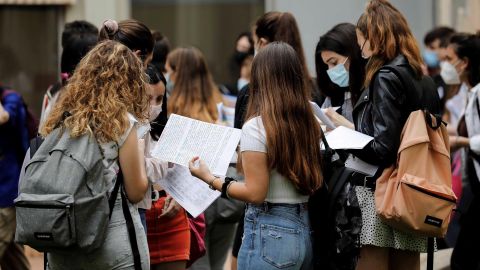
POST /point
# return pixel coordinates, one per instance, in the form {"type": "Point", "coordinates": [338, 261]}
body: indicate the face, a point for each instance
{"type": "Point", "coordinates": [332, 59]}
{"type": "Point", "coordinates": [243, 45]}
{"type": "Point", "coordinates": [441, 52]}
{"type": "Point", "coordinates": [170, 71]}
{"type": "Point", "coordinates": [364, 45]}
{"type": "Point", "coordinates": [155, 93]}
{"type": "Point", "coordinates": [450, 56]}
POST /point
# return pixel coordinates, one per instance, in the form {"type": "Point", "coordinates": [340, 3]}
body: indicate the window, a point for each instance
{"type": "Point", "coordinates": [29, 50]}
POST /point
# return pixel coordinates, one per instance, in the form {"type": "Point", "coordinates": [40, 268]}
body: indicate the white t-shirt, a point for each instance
{"type": "Point", "coordinates": [280, 189]}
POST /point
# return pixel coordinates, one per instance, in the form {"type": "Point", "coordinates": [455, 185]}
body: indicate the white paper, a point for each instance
{"type": "Point", "coordinates": [191, 193]}
{"type": "Point", "coordinates": [322, 116]}
{"type": "Point", "coordinates": [345, 138]}
{"type": "Point", "coordinates": [360, 166]}
{"type": "Point", "coordinates": [184, 138]}
{"type": "Point", "coordinates": [333, 108]}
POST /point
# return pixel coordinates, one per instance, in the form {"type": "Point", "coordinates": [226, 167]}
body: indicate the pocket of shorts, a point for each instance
{"type": "Point", "coordinates": [280, 246]}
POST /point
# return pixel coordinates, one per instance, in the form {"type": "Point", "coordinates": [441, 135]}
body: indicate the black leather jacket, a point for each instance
{"type": "Point", "coordinates": [383, 109]}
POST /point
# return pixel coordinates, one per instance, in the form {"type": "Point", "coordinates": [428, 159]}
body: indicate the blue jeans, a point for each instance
{"type": "Point", "coordinates": [276, 236]}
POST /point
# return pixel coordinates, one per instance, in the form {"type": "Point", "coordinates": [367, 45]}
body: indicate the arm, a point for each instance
{"type": "Point", "coordinates": [132, 164]}
{"type": "Point", "coordinates": [338, 119]}
{"type": "Point", "coordinates": [257, 176]}
{"type": "Point", "coordinates": [387, 105]}
{"type": "Point", "coordinates": [155, 168]}
{"type": "Point", "coordinates": [457, 142]}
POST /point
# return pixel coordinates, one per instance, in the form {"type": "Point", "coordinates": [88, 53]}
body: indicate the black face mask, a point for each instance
{"type": "Point", "coordinates": [239, 57]}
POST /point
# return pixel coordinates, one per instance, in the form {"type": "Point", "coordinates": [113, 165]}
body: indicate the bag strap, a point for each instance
{"type": "Point", "coordinates": [408, 83]}
{"type": "Point", "coordinates": [478, 105]}
{"type": "Point", "coordinates": [129, 220]}
{"type": "Point", "coordinates": [430, 251]}
{"type": "Point", "coordinates": [324, 140]}
{"type": "Point", "coordinates": [429, 119]}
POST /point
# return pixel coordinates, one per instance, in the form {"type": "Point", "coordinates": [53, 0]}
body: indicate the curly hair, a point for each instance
{"type": "Point", "coordinates": [108, 83]}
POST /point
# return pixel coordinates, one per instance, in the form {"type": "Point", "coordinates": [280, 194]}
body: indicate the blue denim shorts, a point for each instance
{"type": "Point", "coordinates": [276, 236]}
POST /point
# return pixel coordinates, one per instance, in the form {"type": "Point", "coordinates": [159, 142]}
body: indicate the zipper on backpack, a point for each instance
{"type": "Point", "coordinates": [431, 193]}
{"type": "Point", "coordinates": [40, 206]}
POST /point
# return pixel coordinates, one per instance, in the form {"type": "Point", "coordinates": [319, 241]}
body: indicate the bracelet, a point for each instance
{"type": "Point", "coordinates": [210, 185]}
{"type": "Point", "coordinates": [226, 184]}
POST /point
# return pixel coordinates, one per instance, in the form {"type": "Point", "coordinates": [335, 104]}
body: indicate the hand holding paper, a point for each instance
{"type": "Point", "coordinates": [184, 138]}
{"type": "Point", "coordinates": [322, 116]}
{"type": "Point", "coordinates": [338, 119]}
{"type": "Point", "coordinates": [199, 169]}
{"type": "Point", "coordinates": [191, 193]}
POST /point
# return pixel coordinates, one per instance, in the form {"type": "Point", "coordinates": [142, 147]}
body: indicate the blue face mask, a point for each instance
{"type": "Point", "coordinates": [431, 59]}
{"type": "Point", "coordinates": [339, 75]}
{"type": "Point", "coordinates": [169, 86]}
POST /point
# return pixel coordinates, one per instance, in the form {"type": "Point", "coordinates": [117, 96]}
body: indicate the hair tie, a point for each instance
{"type": "Point", "coordinates": [111, 26]}
{"type": "Point", "coordinates": [64, 76]}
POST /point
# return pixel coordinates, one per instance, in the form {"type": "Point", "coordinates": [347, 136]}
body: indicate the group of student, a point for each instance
{"type": "Point", "coordinates": [118, 78]}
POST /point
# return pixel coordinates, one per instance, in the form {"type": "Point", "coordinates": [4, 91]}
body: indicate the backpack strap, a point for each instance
{"type": "Point", "coordinates": [129, 221]}
{"type": "Point", "coordinates": [430, 251]}
{"type": "Point", "coordinates": [402, 75]}
{"type": "Point", "coordinates": [478, 105]}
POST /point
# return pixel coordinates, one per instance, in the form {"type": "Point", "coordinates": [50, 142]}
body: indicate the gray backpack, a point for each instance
{"type": "Point", "coordinates": [63, 201]}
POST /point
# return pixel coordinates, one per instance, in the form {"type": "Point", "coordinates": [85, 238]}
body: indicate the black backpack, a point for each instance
{"type": "Point", "coordinates": [335, 215]}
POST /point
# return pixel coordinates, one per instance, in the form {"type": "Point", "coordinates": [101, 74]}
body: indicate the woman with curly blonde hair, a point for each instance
{"type": "Point", "coordinates": [105, 98]}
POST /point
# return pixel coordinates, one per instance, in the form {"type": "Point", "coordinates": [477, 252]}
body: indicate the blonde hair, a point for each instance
{"type": "Point", "coordinates": [108, 83]}
{"type": "Point", "coordinates": [194, 94]}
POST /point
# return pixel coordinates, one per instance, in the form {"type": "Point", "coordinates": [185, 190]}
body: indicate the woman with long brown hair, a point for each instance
{"type": "Point", "coordinates": [381, 112]}
{"type": "Point", "coordinates": [280, 156]}
{"type": "Point", "coordinates": [270, 27]}
{"type": "Point", "coordinates": [109, 111]}
{"type": "Point", "coordinates": [194, 93]}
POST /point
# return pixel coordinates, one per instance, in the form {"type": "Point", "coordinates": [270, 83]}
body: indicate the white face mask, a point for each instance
{"type": "Point", "coordinates": [449, 73]}
{"type": "Point", "coordinates": [155, 111]}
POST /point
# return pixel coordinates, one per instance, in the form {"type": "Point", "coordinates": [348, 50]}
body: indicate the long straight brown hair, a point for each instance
{"type": "Point", "coordinates": [279, 95]}
{"type": "Point", "coordinates": [194, 95]}
{"type": "Point", "coordinates": [282, 26]}
{"type": "Point", "coordinates": [389, 35]}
